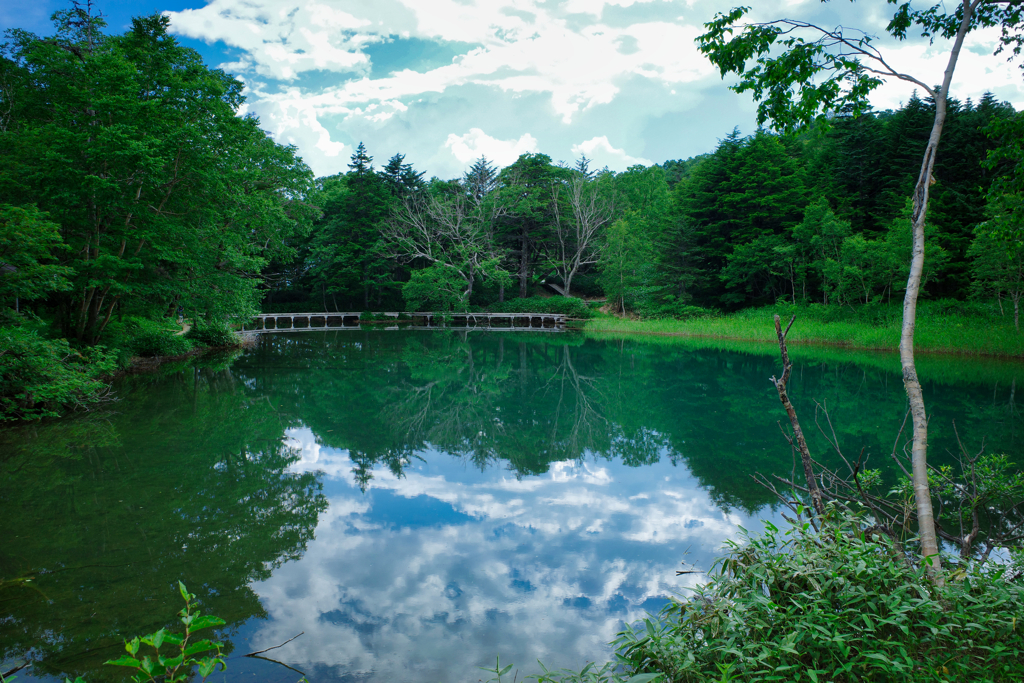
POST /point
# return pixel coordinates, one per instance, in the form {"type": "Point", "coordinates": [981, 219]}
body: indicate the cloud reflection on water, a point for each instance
{"type": "Point", "coordinates": [428, 576]}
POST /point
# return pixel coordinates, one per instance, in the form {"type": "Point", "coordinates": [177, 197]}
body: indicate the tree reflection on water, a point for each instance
{"type": "Point", "coordinates": [415, 499]}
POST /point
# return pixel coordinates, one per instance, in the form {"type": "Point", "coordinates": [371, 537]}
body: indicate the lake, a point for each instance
{"type": "Point", "coordinates": [417, 502]}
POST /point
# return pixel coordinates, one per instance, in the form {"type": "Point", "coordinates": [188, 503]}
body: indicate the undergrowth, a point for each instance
{"type": "Point", "coordinates": [43, 377]}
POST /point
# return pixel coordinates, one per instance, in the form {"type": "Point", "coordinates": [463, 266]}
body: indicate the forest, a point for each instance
{"type": "Point", "coordinates": [820, 217]}
{"type": "Point", "coordinates": [132, 195]}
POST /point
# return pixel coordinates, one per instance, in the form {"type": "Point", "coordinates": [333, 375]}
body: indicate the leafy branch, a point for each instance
{"type": "Point", "coordinates": [178, 667]}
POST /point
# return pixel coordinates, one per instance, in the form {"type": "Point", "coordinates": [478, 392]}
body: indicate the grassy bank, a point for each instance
{"type": "Point", "coordinates": [942, 327]}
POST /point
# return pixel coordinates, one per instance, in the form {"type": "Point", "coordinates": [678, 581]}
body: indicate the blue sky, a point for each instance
{"type": "Point", "coordinates": [444, 81]}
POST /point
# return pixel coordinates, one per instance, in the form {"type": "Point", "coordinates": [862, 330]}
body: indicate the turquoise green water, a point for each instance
{"type": "Point", "coordinates": [417, 502]}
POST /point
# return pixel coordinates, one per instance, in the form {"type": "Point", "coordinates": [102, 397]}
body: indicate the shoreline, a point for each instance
{"type": "Point", "coordinates": [601, 326]}
{"type": "Point", "coordinates": [140, 365]}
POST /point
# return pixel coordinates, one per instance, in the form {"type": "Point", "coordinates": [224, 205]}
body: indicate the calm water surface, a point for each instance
{"type": "Point", "coordinates": [417, 502]}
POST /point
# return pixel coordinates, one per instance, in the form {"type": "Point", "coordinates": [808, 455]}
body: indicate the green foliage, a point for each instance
{"type": "Point", "coordinates": [214, 336]}
{"type": "Point", "coordinates": [669, 307]}
{"type": "Point", "coordinates": [132, 146]}
{"type": "Point", "coordinates": [177, 668]}
{"type": "Point", "coordinates": [749, 188]}
{"type": "Point", "coordinates": [821, 236]}
{"type": "Point", "coordinates": [800, 73]}
{"type": "Point", "coordinates": [343, 261]}
{"type": "Point", "coordinates": [979, 501]}
{"type": "Point", "coordinates": [998, 263]}
{"type": "Point", "coordinates": [627, 262]}
{"type": "Point", "coordinates": [570, 306]}
{"type": "Point", "coordinates": [42, 377]}
{"type": "Point", "coordinates": [783, 81]}
{"type": "Point", "coordinates": [29, 246]}
{"type": "Point", "coordinates": [591, 673]}
{"type": "Point", "coordinates": [435, 288]}
{"type": "Point", "coordinates": [766, 267]}
{"type": "Point", "coordinates": [143, 337]}
{"type": "Point", "coordinates": [835, 606]}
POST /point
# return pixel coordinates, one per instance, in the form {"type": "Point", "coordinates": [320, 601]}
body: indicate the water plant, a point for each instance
{"type": "Point", "coordinates": [185, 649]}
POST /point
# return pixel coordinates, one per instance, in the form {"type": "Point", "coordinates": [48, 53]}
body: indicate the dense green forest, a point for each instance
{"type": "Point", "coordinates": [821, 217]}
{"type": "Point", "coordinates": [132, 193]}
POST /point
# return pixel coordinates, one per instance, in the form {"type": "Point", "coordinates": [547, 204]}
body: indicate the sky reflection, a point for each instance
{"type": "Point", "coordinates": [428, 576]}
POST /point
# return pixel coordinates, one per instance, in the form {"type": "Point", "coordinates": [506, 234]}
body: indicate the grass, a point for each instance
{"type": "Point", "coordinates": [942, 327]}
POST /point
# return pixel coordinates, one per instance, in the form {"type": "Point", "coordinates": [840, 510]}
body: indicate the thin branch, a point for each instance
{"type": "Point", "coordinates": [259, 652]}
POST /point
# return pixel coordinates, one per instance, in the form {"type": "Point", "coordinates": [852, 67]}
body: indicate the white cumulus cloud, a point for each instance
{"type": "Point", "coordinates": [400, 75]}
{"type": "Point", "coordinates": [281, 39]}
{"type": "Point", "coordinates": [476, 143]}
{"type": "Point", "coordinates": [602, 153]}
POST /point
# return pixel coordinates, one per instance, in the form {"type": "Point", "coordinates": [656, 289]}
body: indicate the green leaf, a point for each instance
{"type": "Point", "coordinates": [173, 639]}
{"type": "Point", "coordinates": [201, 646]}
{"type": "Point", "coordinates": [206, 621]}
{"type": "Point", "coordinates": [155, 639]}
{"type": "Point", "coordinates": [208, 664]}
{"type": "Point", "coordinates": [644, 678]}
{"type": "Point", "coordinates": [185, 595]}
{"type": "Point", "coordinates": [173, 662]}
{"type": "Point", "coordinates": [124, 660]}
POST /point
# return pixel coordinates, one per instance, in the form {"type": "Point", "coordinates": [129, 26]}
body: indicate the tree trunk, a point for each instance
{"type": "Point", "coordinates": [798, 433]}
{"type": "Point", "coordinates": [919, 449]}
{"type": "Point", "coordinates": [1016, 312]}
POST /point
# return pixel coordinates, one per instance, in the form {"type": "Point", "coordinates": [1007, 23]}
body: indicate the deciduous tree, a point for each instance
{"type": "Point", "coordinates": [802, 72]}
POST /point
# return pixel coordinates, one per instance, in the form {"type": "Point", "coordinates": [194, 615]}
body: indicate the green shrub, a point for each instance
{"type": "Point", "coordinates": [42, 377]}
{"type": "Point", "coordinates": [567, 305]}
{"type": "Point", "coordinates": [144, 337]}
{"type": "Point", "coordinates": [834, 606]}
{"type": "Point", "coordinates": [212, 335]}
{"type": "Point", "coordinates": [670, 307]}
{"type": "Point", "coordinates": [161, 344]}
